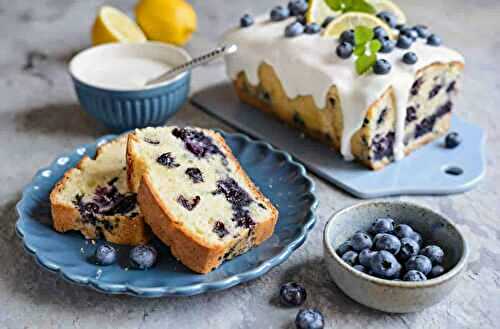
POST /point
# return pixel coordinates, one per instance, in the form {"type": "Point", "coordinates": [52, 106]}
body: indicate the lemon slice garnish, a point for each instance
{"type": "Point", "coordinates": [112, 25]}
{"type": "Point", "coordinates": [318, 11]}
{"type": "Point", "coordinates": [351, 20]}
{"type": "Point", "coordinates": [388, 5]}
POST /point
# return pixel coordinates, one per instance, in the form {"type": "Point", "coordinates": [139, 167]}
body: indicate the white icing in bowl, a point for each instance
{"type": "Point", "coordinates": [307, 65]}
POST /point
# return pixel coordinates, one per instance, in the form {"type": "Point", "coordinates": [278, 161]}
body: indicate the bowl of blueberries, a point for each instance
{"type": "Point", "coordinates": [394, 256]}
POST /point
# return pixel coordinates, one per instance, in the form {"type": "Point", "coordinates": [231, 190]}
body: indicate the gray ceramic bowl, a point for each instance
{"type": "Point", "coordinates": [395, 296]}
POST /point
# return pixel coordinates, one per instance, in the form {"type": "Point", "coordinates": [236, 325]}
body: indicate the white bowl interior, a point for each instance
{"type": "Point", "coordinates": [92, 65]}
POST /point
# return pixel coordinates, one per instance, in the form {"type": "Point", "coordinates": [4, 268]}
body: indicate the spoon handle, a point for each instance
{"type": "Point", "coordinates": [197, 61]}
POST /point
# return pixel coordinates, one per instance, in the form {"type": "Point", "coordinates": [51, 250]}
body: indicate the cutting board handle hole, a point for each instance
{"type": "Point", "coordinates": [453, 170]}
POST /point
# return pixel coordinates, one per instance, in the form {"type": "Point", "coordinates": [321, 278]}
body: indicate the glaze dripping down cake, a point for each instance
{"type": "Point", "coordinates": [195, 196]}
{"type": "Point", "coordinates": [288, 67]}
{"type": "Point", "coordinates": [94, 198]}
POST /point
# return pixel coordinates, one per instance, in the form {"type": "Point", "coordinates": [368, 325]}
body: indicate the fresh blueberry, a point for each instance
{"type": "Point", "coordinates": [292, 294]}
{"type": "Point", "coordinates": [344, 50]}
{"type": "Point", "coordinates": [382, 225]}
{"type": "Point", "coordinates": [414, 276]}
{"type": "Point", "coordinates": [419, 263]}
{"type": "Point", "coordinates": [422, 31]}
{"type": "Point", "coordinates": [416, 237]}
{"type": "Point", "coordinates": [343, 248]}
{"type": "Point", "coordinates": [302, 19]}
{"type": "Point", "coordinates": [387, 46]}
{"type": "Point", "coordinates": [434, 40]}
{"type": "Point", "coordinates": [143, 257]}
{"type": "Point", "coordinates": [246, 20]}
{"type": "Point", "coordinates": [434, 253]}
{"type": "Point", "coordinates": [389, 18]}
{"type": "Point", "coordinates": [379, 33]}
{"type": "Point", "coordinates": [404, 42]}
{"type": "Point", "coordinates": [105, 254]}
{"type": "Point", "coordinates": [399, 27]}
{"type": "Point", "coordinates": [350, 257]}
{"type": "Point", "coordinates": [327, 21]}
{"type": "Point", "coordinates": [381, 67]}
{"type": "Point", "coordinates": [452, 140]}
{"type": "Point", "coordinates": [383, 264]}
{"type": "Point", "coordinates": [297, 7]}
{"type": "Point", "coordinates": [409, 32]}
{"type": "Point", "coordinates": [365, 256]}
{"type": "Point", "coordinates": [360, 268]}
{"type": "Point", "coordinates": [312, 28]}
{"type": "Point", "coordinates": [294, 29]}
{"type": "Point", "coordinates": [279, 13]}
{"type": "Point", "coordinates": [309, 318]}
{"type": "Point", "coordinates": [347, 36]}
{"type": "Point", "coordinates": [409, 248]}
{"type": "Point", "coordinates": [403, 231]}
{"type": "Point", "coordinates": [436, 271]}
{"type": "Point", "coordinates": [410, 58]}
{"type": "Point", "coordinates": [361, 241]}
{"type": "Point", "coordinates": [387, 242]}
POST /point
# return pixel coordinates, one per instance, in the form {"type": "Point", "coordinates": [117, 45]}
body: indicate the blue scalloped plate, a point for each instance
{"type": "Point", "coordinates": [281, 179]}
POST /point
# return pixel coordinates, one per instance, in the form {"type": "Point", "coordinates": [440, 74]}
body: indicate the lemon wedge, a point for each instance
{"type": "Point", "coordinates": [388, 5]}
{"type": "Point", "coordinates": [112, 25]}
{"type": "Point", "coordinates": [318, 11]}
{"type": "Point", "coordinates": [351, 20]}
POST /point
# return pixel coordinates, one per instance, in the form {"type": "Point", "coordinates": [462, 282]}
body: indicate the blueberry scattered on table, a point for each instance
{"type": "Point", "coordinates": [452, 140]}
{"type": "Point", "coordinates": [389, 18]}
{"type": "Point", "coordinates": [105, 254]}
{"type": "Point", "coordinates": [294, 29]}
{"type": "Point", "coordinates": [292, 294]}
{"type": "Point", "coordinates": [382, 225]}
{"type": "Point", "coordinates": [393, 252]}
{"type": "Point", "coordinates": [410, 58]}
{"type": "Point", "coordinates": [381, 67]}
{"type": "Point", "coordinates": [246, 21]}
{"type": "Point", "coordinates": [312, 28]}
{"type": "Point", "coordinates": [344, 50]}
{"type": "Point", "coordinates": [422, 31]}
{"type": "Point", "coordinates": [309, 318]}
{"type": "Point", "coordinates": [434, 253]}
{"type": "Point", "coordinates": [143, 257]}
{"type": "Point", "coordinates": [347, 36]}
{"type": "Point", "coordinates": [279, 13]}
{"type": "Point", "coordinates": [434, 40]}
{"type": "Point", "coordinates": [419, 263]}
{"type": "Point", "coordinates": [413, 275]}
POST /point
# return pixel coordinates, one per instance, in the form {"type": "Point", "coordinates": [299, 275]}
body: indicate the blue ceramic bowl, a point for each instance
{"type": "Point", "coordinates": [281, 179]}
{"type": "Point", "coordinates": [119, 106]}
{"type": "Point", "coordinates": [395, 296]}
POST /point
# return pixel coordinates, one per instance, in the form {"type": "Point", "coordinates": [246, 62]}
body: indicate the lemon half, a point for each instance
{"type": "Point", "coordinates": [112, 25]}
{"type": "Point", "coordinates": [351, 20]}
{"type": "Point", "coordinates": [318, 11]}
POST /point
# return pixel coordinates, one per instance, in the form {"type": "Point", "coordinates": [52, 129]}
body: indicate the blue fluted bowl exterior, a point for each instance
{"type": "Point", "coordinates": [125, 110]}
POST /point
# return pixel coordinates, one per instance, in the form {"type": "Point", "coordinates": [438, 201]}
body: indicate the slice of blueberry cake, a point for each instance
{"type": "Point", "coordinates": [195, 196]}
{"type": "Point", "coordinates": [94, 198]}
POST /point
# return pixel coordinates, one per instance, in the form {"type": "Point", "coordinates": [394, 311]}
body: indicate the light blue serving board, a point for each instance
{"type": "Point", "coordinates": [423, 172]}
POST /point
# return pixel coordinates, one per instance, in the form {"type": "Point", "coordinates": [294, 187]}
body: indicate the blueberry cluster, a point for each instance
{"type": "Point", "coordinates": [293, 294]}
{"type": "Point", "coordinates": [239, 200]}
{"type": "Point", "coordinates": [140, 257]}
{"type": "Point", "coordinates": [392, 251]}
{"type": "Point", "coordinates": [197, 142]}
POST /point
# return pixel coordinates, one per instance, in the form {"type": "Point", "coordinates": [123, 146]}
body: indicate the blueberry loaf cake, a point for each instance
{"type": "Point", "coordinates": [94, 198]}
{"type": "Point", "coordinates": [293, 69]}
{"type": "Point", "coordinates": [195, 196]}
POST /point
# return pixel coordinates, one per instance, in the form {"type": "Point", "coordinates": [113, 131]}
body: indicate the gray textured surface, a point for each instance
{"type": "Point", "coordinates": [39, 118]}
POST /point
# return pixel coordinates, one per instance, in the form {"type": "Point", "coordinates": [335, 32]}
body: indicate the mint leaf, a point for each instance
{"type": "Point", "coordinates": [375, 46]}
{"type": "Point", "coordinates": [362, 35]}
{"type": "Point", "coordinates": [360, 50]}
{"type": "Point", "coordinates": [362, 6]}
{"type": "Point", "coordinates": [365, 62]}
{"type": "Point", "coordinates": [334, 5]}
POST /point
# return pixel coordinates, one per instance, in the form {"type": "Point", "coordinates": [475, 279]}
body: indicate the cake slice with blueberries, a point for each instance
{"type": "Point", "coordinates": [368, 84]}
{"type": "Point", "coordinates": [195, 196]}
{"type": "Point", "coordinates": [94, 198]}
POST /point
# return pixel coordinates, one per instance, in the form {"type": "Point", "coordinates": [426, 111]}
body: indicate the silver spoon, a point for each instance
{"type": "Point", "coordinates": [200, 60]}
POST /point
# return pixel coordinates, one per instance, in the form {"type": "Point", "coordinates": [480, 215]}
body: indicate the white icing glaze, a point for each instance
{"type": "Point", "coordinates": [308, 65]}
